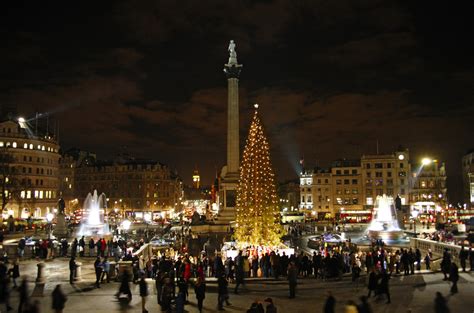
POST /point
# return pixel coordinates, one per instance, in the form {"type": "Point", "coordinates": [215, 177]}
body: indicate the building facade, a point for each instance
{"type": "Point", "coordinates": [348, 190]}
{"type": "Point", "coordinates": [132, 186]}
{"type": "Point", "coordinates": [428, 192]}
{"type": "Point", "coordinates": [387, 174]}
{"type": "Point", "coordinates": [69, 162]}
{"type": "Point", "coordinates": [31, 183]}
{"type": "Point", "coordinates": [468, 178]}
{"type": "Point", "coordinates": [316, 193]}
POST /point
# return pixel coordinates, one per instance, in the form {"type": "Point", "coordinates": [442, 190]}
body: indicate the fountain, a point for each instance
{"type": "Point", "coordinates": [384, 225]}
{"type": "Point", "coordinates": [93, 223]}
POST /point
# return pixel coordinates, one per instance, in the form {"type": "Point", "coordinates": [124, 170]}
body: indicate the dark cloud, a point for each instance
{"type": "Point", "coordinates": [332, 77]}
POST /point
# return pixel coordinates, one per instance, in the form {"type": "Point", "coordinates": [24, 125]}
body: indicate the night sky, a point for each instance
{"type": "Point", "coordinates": [332, 77]}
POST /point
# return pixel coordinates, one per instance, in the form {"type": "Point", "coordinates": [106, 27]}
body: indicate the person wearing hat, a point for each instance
{"type": "Point", "coordinates": [271, 308]}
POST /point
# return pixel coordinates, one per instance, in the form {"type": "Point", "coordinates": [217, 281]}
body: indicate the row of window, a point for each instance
{"type": "Point", "coordinates": [346, 181]}
{"type": "Point", "coordinates": [38, 159]}
{"type": "Point", "coordinates": [341, 201]}
{"type": "Point", "coordinates": [39, 171]}
{"type": "Point", "coordinates": [34, 194]}
{"type": "Point", "coordinates": [380, 191]}
{"type": "Point", "coordinates": [346, 172]}
{"type": "Point", "coordinates": [30, 146]}
{"type": "Point", "coordinates": [381, 165]}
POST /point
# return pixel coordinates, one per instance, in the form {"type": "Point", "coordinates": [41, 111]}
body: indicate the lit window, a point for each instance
{"type": "Point", "coordinates": [70, 186]}
{"type": "Point", "coordinates": [370, 201]}
{"type": "Point", "coordinates": [25, 146]}
{"type": "Point", "coordinates": [36, 194]}
{"type": "Point", "coordinates": [31, 146]}
{"type": "Point", "coordinates": [28, 194]}
{"type": "Point", "coordinates": [1, 144]}
{"type": "Point", "coordinates": [14, 144]}
{"type": "Point", "coordinates": [22, 194]}
{"type": "Point", "coordinates": [42, 148]}
{"type": "Point", "coordinates": [41, 194]}
{"type": "Point", "coordinates": [66, 179]}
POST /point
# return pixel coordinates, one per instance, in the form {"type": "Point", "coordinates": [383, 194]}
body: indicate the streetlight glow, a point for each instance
{"type": "Point", "coordinates": [126, 224]}
{"type": "Point", "coordinates": [426, 161]}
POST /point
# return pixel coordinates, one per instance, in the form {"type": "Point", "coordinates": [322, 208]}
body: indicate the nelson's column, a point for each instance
{"type": "Point", "coordinates": [230, 172]}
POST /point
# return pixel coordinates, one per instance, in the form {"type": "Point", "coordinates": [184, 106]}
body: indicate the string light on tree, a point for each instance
{"type": "Point", "coordinates": [257, 213]}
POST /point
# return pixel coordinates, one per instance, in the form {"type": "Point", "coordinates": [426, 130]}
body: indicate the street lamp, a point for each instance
{"type": "Point", "coordinates": [49, 218]}
{"type": "Point", "coordinates": [426, 161]}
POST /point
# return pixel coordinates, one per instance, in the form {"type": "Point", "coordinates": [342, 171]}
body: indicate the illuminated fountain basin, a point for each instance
{"type": "Point", "coordinates": [93, 222]}
{"type": "Point", "coordinates": [384, 225]}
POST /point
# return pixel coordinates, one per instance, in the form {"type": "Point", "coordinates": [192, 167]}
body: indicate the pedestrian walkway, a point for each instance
{"type": "Point", "coordinates": [415, 292]}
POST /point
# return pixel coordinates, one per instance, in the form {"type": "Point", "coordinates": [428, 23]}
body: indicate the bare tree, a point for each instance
{"type": "Point", "coordinates": [11, 185]}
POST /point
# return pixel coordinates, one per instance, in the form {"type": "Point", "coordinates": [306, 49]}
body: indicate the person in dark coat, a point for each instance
{"type": "Point", "coordinates": [200, 291]}
{"type": "Point", "coordinates": [72, 270]}
{"type": "Point", "coordinates": [15, 272]}
{"type": "Point", "coordinates": [292, 279]}
{"type": "Point", "coordinates": [82, 246]}
{"type": "Point", "coordinates": [124, 286]}
{"type": "Point", "coordinates": [143, 292]}
{"type": "Point", "coordinates": [271, 308]}
{"type": "Point", "coordinates": [440, 304]}
{"type": "Point", "coordinates": [454, 277]}
{"type": "Point", "coordinates": [74, 247]}
{"type": "Point", "coordinates": [383, 287]}
{"type": "Point", "coordinates": [446, 263]}
{"type": "Point", "coordinates": [223, 294]}
{"type": "Point", "coordinates": [91, 247]}
{"type": "Point", "coordinates": [98, 271]}
{"type": "Point", "coordinates": [4, 292]}
{"type": "Point", "coordinates": [256, 307]}
{"type": "Point", "coordinates": [24, 296]}
{"type": "Point", "coordinates": [372, 286]}
{"type": "Point", "coordinates": [364, 306]}
{"type": "Point", "coordinates": [329, 304]}
{"type": "Point", "coordinates": [463, 256]}
{"type": "Point", "coordinates": [239, 272]}
{"type": "Point", "coordinates": [59, 299]}
{"type": "Point", "coordinates": [159, 284]}
{"type": "Point", "coordinates": [471, 258]}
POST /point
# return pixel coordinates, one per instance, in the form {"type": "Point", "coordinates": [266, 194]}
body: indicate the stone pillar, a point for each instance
{"type": "Point", "coordinates": [233, 125]}
{"type": "Point", "coordinates": [40, 276]}
{"type": "Point", "coordinates": [232, 70]}
{"type": "Point", "coordinates": [78, 274]}
{"type": "Point", "coordinates": [113, 271]}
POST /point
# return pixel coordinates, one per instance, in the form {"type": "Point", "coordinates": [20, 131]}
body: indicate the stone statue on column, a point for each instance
{"type": "Point", "coordinates": [60, 230]}
{"type": "Point", "coordinates": [232, 53]}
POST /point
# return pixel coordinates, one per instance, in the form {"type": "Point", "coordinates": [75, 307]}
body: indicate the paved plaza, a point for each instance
{"type": "Point", "coordinates": [411, 292]}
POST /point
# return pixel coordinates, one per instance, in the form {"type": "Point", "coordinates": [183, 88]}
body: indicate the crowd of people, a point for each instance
{"type": "Point", "coordinates": [175, 275]}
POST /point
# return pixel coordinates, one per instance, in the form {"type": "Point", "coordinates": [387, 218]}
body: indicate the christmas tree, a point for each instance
{"type": "Point", "coordinates": [257, 212]}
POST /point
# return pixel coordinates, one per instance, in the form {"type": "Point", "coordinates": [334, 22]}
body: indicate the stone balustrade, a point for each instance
{"type": "Point", "coordinates": [436, 247]}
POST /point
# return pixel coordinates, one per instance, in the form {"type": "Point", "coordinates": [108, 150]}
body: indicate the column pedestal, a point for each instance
{"type": "Point", "coordinates": [78, 274]}
{"type": "Point", "coordinates": [40, 275]}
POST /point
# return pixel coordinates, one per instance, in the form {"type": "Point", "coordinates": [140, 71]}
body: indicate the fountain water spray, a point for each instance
{"type": "Point", "coordinates": [93, 222]}
{"type": "Point", "coordinates": [384, 225]}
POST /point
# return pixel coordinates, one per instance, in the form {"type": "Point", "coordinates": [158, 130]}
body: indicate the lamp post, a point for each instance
{"type": "Point", "coordinates": [414, 214]}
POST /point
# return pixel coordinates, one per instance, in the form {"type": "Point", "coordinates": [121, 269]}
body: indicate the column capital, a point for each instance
{"type": "Point", "coordinates": [232, 70]}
